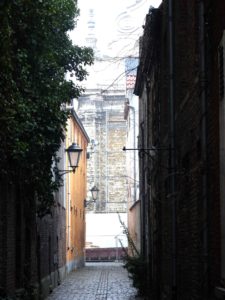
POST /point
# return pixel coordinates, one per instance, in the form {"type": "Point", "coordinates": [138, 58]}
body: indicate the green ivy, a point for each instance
{"type": "Point", "coordinates": [35, 55]}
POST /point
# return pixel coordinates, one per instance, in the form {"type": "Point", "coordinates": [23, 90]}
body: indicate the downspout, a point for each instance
{"type": "Point", "coordinates": [172, 151]}
{"type": "Point", "coordinates": [134, 147]}
{"type": "Point", "coordinates": [107, 157]}
{"type": "Point", "coordinates": [69, 213]}
{"type": "Point", "coordinates": [142, 196]}
{"type": "Point", "coordinates": [204, 144]}
{"type": "Point", "coordinates": [95, 156]}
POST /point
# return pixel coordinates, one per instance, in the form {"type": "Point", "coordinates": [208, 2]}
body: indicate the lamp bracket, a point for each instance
{"type": "Point", "coordinates": [63, 172]}
{"type": "Point", "coordinates": [87, 202]}
{"type": "Point", "coordinates": [145, 149]}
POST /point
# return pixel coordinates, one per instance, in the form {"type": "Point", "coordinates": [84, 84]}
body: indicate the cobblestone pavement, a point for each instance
{"type": "Point", "coordinates": [97, 281]}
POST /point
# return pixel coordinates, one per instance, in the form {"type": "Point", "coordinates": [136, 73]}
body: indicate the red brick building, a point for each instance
{"type": "Point", "coordinates": [180, 188]}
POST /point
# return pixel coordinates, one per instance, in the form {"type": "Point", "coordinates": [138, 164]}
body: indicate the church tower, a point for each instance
{"type": "Point", "coordinates": [91, 39]}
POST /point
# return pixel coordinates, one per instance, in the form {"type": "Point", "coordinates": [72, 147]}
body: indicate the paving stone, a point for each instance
{"type": "Point", "coordinates": [96, 281]}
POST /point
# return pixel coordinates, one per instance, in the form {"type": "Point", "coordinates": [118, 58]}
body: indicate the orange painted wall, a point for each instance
{"type": "Point", "coordinates": [76, 187]}
{"type": "Point", "coordinates": [134, 224]}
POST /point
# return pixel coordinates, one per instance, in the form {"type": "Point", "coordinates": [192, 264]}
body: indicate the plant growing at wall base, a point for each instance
{"type": "Point", "coordinates": [135, 264]}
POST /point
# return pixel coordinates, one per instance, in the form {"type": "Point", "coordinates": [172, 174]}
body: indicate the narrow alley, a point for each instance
{"type": "Point", "coordinates": [96, 281]}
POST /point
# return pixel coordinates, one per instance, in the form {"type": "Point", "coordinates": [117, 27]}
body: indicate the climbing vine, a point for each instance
{"type": "Point", "coordinates": [35, 55]}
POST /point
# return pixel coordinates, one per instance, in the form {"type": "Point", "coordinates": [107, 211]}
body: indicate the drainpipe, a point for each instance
{"type": "Point", "coordinates": [142, 195]}
{"type": "Point", "coordinates": [172, 144]}
{"type": "Point", "coordinates": [107, 157]}
{"type": "Point", "coordinates": [204, 144]}
{"type": "Point", "coordinates": [134, 147]}
{"type": "Point", "coordinates": [69, 213]}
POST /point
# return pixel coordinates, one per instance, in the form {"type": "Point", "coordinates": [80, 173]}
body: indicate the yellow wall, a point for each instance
{"type": "Point", "coordinates": [75, 195]}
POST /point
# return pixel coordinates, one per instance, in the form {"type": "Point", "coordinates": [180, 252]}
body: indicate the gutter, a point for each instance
{"type": "Point", "coordinates": [204, 147]}
{"type": "Point", "coordinates": [172, 145]}
{"type": "Point", "coordinates": [79, 123]}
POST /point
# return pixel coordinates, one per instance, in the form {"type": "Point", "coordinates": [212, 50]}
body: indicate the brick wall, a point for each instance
{"type": "Point", "coordinates": [18, 266]}
{"type": "Point", "coordinates": [103, 119]}
{"type": "Point", "coordinates": [215, 17]}
{"type": "Point", "coordinates": [185, 219]}
{"type": "Point", "coordinates": [104, 254]}
{"type": "Point", "coordinates": [51, 232]}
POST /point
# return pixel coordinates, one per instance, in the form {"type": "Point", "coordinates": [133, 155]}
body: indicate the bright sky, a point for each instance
{"type": "Point", "coordinates": [118, 23]}
{"type": "Point", "coordinates": [105, 236]}
{"type": "Point", "coordinates": [118, 26]}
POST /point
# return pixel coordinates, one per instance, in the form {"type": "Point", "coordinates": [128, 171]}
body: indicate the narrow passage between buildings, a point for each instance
{"type": "Point", "coordinates": [96, 281]}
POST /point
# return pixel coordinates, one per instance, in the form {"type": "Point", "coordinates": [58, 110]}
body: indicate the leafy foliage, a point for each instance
{"type": "Point", "coordinates": [135, 264]}
{"type": "Point", "coordinates": [35, 55]}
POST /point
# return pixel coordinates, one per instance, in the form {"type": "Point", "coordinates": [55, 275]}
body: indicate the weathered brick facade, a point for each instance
{"type": "Point", "coordinates": [102, 116]}
{"type": "Point", "coordinates": [51, 249]}
{"type": "Point", "coordinates": [179, 119]}
{"type": "Point", "coordinates": [18, 266]}
{"type": "Point", "coordinates": [105, 254]}
{"type": "Point", "coordinates": [61, 236]}
{"type": "Point", "coordinates": [34, 252]}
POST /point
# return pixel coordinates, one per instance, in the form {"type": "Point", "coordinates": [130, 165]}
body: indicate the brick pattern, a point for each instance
{"type": "Point", "coordinates": [52, 234]}
{"type": "Point", "coordinates": [33, 250]}
{"type": "Point", "coordinates": [196, 208]}
{"type": "Point", "coordinates": [18, 240]}
{"type": "Point", "coordinates": [104, 122]}
{"type": "Point", "coordinates": [104, 254]}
